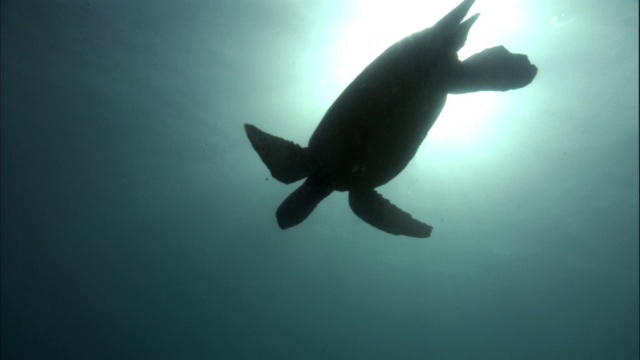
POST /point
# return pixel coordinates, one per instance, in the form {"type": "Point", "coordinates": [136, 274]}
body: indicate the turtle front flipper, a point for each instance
{"type": "Point", "coordinates": [287, 161]}
{"type": "Point", "coordinates": [380, 213]}
{"type": "Point", "coordinates": [493, 69]}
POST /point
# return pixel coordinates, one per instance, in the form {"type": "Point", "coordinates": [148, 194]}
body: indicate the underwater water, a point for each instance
{"type": "Point", "coordinates": [138, 222]}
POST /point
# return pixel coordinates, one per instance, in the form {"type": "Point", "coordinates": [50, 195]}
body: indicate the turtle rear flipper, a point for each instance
{"type": "Point", "coordinates": [493, 69]}
{"type": "Point", "coordinates": [287, 161]}
{"type": "Point", "coordinates": [379, 212]}
{"type": "Point", "coordinates": [455, 16]}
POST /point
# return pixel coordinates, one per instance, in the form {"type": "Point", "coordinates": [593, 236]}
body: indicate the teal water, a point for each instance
{"type": "Point", "coordinates": [138, 223]}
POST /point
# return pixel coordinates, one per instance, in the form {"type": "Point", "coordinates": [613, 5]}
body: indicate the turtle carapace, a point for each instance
{"type": "Point", "coordinates": [374, 128]}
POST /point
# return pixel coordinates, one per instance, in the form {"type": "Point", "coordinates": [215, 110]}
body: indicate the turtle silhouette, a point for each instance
{"type": "Point", "coordinates": [374, 128]}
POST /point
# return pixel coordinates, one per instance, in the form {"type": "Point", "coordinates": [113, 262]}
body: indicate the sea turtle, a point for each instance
{"type": "Point", "coordinates": [374, 128]}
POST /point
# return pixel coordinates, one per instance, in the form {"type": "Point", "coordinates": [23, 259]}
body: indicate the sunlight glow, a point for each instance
{"type": "Point", "coordinates": [378, 24]}
{"type": "Point", "coordinates": [462, 117]}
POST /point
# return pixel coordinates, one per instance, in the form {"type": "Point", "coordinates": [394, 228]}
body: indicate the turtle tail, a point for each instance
{"type": "Point", "coordinates": [493, 69]}
{"type": "Point", "coordinates": [287, 161]}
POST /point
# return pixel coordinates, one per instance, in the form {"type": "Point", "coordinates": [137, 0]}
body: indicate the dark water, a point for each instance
{"type": "Point", "coordinates": [137, 222]}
